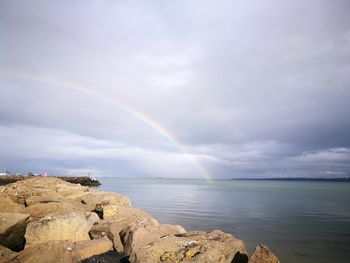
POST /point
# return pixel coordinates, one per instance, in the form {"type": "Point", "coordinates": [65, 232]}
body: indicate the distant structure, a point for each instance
{"type": "Point", "coordinates": [5, 172]}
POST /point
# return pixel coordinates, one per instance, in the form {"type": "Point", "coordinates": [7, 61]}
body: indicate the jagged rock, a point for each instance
{"type": "Point", "coordinates": [7, 205]}
{"type": "Point", "coordinates": [110, 229]}
{"type": "Point", "coordinates": [93, 198]}
{"type": "Point", "coordinates": [123, 213]}
{"type": "Point", "coordinates": [47, 197]}
{"type": "Point", "coordinates": [38, 211]}
{"type": "Point", "coordinates": [262, 254]}
{"type": "Point", "coordinates": [71, 226]}
{"type": "Point", "coordinates": [144, 232]}
{"type": "Point", "coordinates": [57, 251]}
{"type": "Point", "coordinates": [12, 229]}
{"type": "Point", "coordinates": [94, 247]}
{"type": "Point", "coordinates": [209, 247]}
{"type": "Point", "coordinates": [4, 251]}
{"type": "Point", "coordinates": [91, 218]}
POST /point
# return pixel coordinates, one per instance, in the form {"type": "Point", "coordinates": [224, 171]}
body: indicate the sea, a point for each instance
{"type": "Point", "coordinates": [300, 221]}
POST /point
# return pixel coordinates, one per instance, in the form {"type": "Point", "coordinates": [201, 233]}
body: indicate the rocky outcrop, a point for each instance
{"type": "Point", "coordinates": [12, 230]}
{"type": "Point", "coordinates": [50, 220]}
{"type": "Point", "coordinates": [262, 254]}
{"type": "Point", "coordinates": [71, 226]}
{"type": "Point", "coordinates": [214, 246]}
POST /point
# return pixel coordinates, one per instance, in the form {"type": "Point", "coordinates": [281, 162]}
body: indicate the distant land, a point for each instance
{"type": "Point", "coordinates": [347, 179]}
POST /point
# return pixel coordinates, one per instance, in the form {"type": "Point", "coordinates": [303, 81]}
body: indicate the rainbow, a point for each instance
{"type": "Point", "coordinates": [148, 120]}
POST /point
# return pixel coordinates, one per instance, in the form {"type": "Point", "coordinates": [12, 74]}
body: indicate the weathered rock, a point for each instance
{"type": "Point", "coordinates": [71, 226]}
{"type": "Point", "coordinates": [7, 205]}
{"type": "Point", "coordinates": [12, 229]}
{"type": "Point", "coordinates": [51, 251]}
{"type": "Point", "coordinates": [4, 251]}
{"type": "Point", "coordinates": [215, 247]}
{"type": "Point", "coordinates": [40, 210]}
{"type": "Point", "coordinates": [108, 257]}
{"type": "Point", "coordinates": [110, 229]}
{"type": "Point", "coordinates": [94, 247]}
{"type": "Point", "coordinates": [123, 213]}
{"type": "Point", "coordinates": [144, 232]}
{"type": "Point", "coordinates": [47, 197]}
{"type": "Point", "coordinates": [91, 218]}
{"type": "Point", "coordinates": [262, 254]}
{"type": "Point", "coordinates": [93, 198]}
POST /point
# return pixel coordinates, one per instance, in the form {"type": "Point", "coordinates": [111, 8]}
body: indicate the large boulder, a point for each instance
{"type": "Point", "coordinates": [57, 251]}
{"type": "Point", "coordinates": [144, 232]}
{"type": "Point", "coordinates": [209, 247]}
{"type": "Point", "coordinates": [40, 210]}
{"type": "Point", "coordinates": [87, 249]}
{"type": "Point", "coordinates": [93, 198]}
{"type": "Point", "coordinates": [262, 254]}
{"type": "Point", "coordinates": [71, 226]}
{"type": "Point", "coordinates": [4, 251]}
{"type": "Point", "coordinates": [12, 229]}
{"type": "Point", "coordinates": [7, 205]}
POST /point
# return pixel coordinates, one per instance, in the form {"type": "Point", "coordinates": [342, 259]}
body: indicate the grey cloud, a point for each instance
{"type": "Point", "coordinates": [251, 88]}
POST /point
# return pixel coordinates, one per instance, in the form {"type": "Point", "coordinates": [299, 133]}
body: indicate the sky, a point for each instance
{"type": "Point", "coordinates": [185, 89]}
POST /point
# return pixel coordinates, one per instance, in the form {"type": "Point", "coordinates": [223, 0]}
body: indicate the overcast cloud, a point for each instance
{"type": "Point", "coordinates": [250, 88]}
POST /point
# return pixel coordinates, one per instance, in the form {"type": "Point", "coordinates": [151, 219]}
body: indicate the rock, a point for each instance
{"type": "Point", "coordinates": [91, 218]}
{"type": "Point", "coordinates": [4, 251]}
{"type": "Point", "coordinates": [12, 229]}
{"type": "Point", "coordinates": [7, 205]}
{"type": "Point", "coordinates": [40, 210]}
{"type": "Point", "coordinates": [71, 226]}
{"type": "Point", "coordinates": [93, 198]}
{"type": "Point", "coordinates": [262, 254]}
{"type": "Point", "coordinates": [110, 229]}
{"type": "Point", "coordinates": [208, 247]}
{"type": "Point", "coordinates": [94, 247]}
{"type": "Point", "coordinates": [122, 213]}
{"type": "Point", "coordinates": [51, 251]}
{"type": "Point", "coordinates": [144, 232]}
{"type": "Point", "coordinates": [47, 197]}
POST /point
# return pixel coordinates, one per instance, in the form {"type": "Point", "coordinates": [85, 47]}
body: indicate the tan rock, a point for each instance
{"type": "Point", "coordinates": [93, 198]}
{"type": "Point", "coordinates": [94, 247]}
{"type": "Point", "coordinates": [12, 229]}
{"type": "Point", "coordinates": [110, 229]}
{"type": "Point", "coordinates": [71, 226]}
{"type": "Point", "coordinates": [91, 218]}
{"type": "Point", "coordinates": [262, 254]}
{"type": "Point", "coordinates": [41, 210]}
{"type": "Point", "coordinates": [47, 197]}
{"type": "Point", "coordinates": [4, 251]}
{"type": "Point", "coordinates": [51, 251]}
{"type": "Point", "coordinates": [215, 247]}
{"type": "Point", "coordinates": [123, 213]}
{"type": "Point", "coordinates": [144, 232]}
{"type": "Point", "coordinates": [7, 205]}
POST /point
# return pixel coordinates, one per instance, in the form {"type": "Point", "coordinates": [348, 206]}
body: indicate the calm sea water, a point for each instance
{"type": "Point", "coordinates": [302, 222]}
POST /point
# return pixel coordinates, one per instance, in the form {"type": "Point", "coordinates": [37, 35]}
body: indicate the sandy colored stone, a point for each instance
{"type": "Point", "coordinates": [51, 251]}
{"type": "Point", "coordinates": [4, 251]}
{"type": "Point", "coordinates": [209, 247]}
{"type": "Point", "coordinates": [7, 205]}
{"type": "Point", "coordinates": [262, 254]}
{"type": "Point", "coordinates": [71, 226]}
{"type": "Point", "coordinates": [41, 210]}
{"type": "Point", "coordinates": [47, 197]}
{"type": "Point", "coordinates": [144, 232]}
{"type": "Point", "coordinates": [93, 198]}
{"type": "Point", "coordinates": [94, 247]}
{"type": "Point", "coordinates": [91, 218]}
{"type": "Point", "coordinates": [12, 230]}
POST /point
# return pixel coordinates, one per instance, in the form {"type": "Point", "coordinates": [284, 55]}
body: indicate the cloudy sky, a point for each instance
{"type": "Point", "coordinates": [189, 89]}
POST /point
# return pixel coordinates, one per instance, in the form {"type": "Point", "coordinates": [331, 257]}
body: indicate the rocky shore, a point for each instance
{"type": "Point", "coordinates": [82, 180]}
{"type": "Point", "coordinates": [45, 219]}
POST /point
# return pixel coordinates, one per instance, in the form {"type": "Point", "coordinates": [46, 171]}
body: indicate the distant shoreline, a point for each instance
{"type": "Point", "coordinates": [294, 179]}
